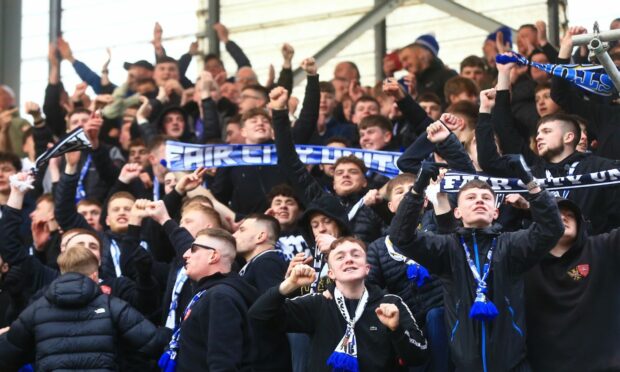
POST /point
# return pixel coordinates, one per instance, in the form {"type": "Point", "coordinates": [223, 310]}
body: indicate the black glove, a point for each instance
{"type": "Point", "coordinates": [429, 170]}
{"type": "Point", "coordinates": [14, 281]}
{"type": "Point", "coordinates": [517, 166]}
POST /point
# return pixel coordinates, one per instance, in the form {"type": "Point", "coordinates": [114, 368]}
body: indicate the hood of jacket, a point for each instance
{"type": "Point", "coordinates": [232, 279]}
{"type": "Point", "coordinates": [72, 290]}
{"type": "Point", "coordinates": [187, 133]}
{"type": "Point", "coordinates": [330, 206]}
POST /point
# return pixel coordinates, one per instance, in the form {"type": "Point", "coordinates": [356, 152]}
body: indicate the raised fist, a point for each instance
{"type": "Point", "coordinates": [309, 65]}
{"type": "Point", "coordinates": [388, 315]}
{"type": "Point", "coordinates": [278, 98]}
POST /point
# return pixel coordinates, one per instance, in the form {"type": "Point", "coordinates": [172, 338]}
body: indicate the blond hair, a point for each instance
{"type": "Point", "coordinates": [78, 259]}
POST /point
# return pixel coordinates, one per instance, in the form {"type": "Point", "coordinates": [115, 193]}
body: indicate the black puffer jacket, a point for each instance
{"type": "Point", "coordinates": [390, 274]}
{"type": "Point", "coordinates": [75, 326]}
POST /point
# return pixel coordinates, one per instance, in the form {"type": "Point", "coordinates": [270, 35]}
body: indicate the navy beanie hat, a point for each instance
{"type": "Point", "coordinates": [506, 32]}
{"type": "Point", "coordinates": [429, 42]}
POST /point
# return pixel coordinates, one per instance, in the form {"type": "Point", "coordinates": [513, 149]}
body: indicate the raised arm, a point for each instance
{"type": "Point", "coordinates": [448, 145]}
{"type": "Point", "coordinates": [231, 47]}
{"type": "Point", "coordinates": [65, 210]}
{"type": "Point", "coordinates": [285, 80]}
{"type": "Point", "coordinates": [428, 249]}
{"type": "Point", "coordinates": [305, 126]}
{"type": "Point", "coordinates": [12, 250]}
{"type": "Point", "coordinates": [180, 238]}
{"type": "Point", "coordinates": [210, 116]}
{"type": "Point", "coordinates": [288, 159]}
{"type": "Point", "coordinates": [510, 139]}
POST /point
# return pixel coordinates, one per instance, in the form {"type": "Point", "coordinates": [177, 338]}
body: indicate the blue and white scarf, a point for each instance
{"type": "Point", "coordinates": [586, 77]}
{"type": "Point", "coordinates": [344, 358]}
{"type": "Point", "coordinates": [168, 360]}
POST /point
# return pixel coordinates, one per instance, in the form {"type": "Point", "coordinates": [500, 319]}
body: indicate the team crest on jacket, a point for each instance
{"type": "Point", "coordinates": [579, 272]}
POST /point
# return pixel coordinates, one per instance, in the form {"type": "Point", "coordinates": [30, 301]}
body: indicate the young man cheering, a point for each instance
{"type": "Point", "coordinates": [482, 269]}
{"type": "Point", "coordinates": [360, 329]}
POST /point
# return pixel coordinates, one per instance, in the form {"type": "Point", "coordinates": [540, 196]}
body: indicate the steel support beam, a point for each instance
{"type": "Point", "coordinates": [553, 21]}
{"type": "Point", "coordinates": [380, 45]}
{"type": "Point", "coordinates": [368, 20]}
{"type": "Point", "coordinates": [10, 44]}
{"type": "Point", "coordinates": [465, 14]}
{"type": "Point", "coordinates": [213, 17]}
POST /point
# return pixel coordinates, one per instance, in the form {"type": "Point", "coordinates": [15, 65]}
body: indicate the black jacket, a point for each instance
{"type": "Point", "coordinates": [75, 326]}
{"type": "Point", "coordinates": [391, 275]}
{"type": "Point", "coordinates": [602, 119]}
{"type": "Point", "coordinates": [572, 307]}
{"type": "Point", "coordinates": [433, 79]}
{"type": "Point", "coordinates": [600, 205]}
{"type": "Point", "coordinates": [264, 271]}
{"type": "Point", "coordinates": [516, 252]}
{"type": "Point", "coordinates": [216, 335]}
{"type": "Point", "coordinates": [378, 348]}
{"type": "Point", "coordinates": [246, 187]}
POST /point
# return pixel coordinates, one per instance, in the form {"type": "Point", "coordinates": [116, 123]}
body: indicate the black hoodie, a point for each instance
{"type": "Point", "coordinates": [215, 335]}
{"type": "Point", "coordinates": [572, 305]}
{"type": "Point", "coordinates": [75, 326]}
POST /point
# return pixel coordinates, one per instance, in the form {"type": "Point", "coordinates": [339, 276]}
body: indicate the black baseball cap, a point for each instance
{"type": "Point", "coordinates": [141, 63]}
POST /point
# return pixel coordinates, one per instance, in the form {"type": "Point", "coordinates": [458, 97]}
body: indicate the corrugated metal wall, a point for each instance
{"type": "Point", "coordinates": [259, 27]}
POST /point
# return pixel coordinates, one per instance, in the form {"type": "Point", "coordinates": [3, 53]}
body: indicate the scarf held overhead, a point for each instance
{"type": "Point", "coordinates": [186, 156]}
{"type": "Point", "coordinates": [587, 77]}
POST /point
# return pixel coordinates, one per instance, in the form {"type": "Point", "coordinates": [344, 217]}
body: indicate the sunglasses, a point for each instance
{"type": "Point", "coordinates": [195, 247]}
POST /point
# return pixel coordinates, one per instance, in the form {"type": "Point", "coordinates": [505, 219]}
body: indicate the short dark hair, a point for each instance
{"type": "Point", "coordinates": [472, 61]}
{"type": "Point", "coordinates": [79, 110]}
{"type": "Point", "coordinates": [542, 86]}
{"type": "Point", "coordinates": [282, 190]}
{"type": "Point", "coordinates": [257, 111]}
{"type": "Point", "coordinates": [457, 85]}
{"type": "Point", "coordinates": [467, 110]}
{"type": "Point", "coordinates": [338, 139]}
{"type": "Point", "coordinates": [89, 201]}
{"type": "Point", "coordinates": [327, 87]}
{"type": "Point", "coordinates": [376, 121]}
{"type": "Point", "coordinates": [156, 141]}
{"type": "Point", "coordinates": [211, 56]}
{"type": "Point", "coordinates": [166, 59]}
{"type": "Point", "coordinates": [475, 184]}
{"type": "Point", "coordinates": [528, 25]}
{"type": "Point", "coordinates": [569, 124]}
{"type": "Point", "coordinates": [80, 231]}
{"type": "Point", "coordinates": [270, 222]}
{"type": "Point", "coordinates": [11, 158]}
{"type": "Point", "coordinates": [429, 97]}
{"type": "Point", "coordinates": [259, 89]}
{"type": "Point", "coordinates": [235, 119]}
{"type": "Point", "coordinates": [351, 159]}
{"type": "Point", "coordinates": [364, 98]}
{"type": "Point", "coordinates": [137, 142]}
